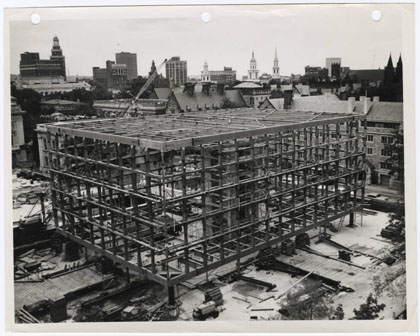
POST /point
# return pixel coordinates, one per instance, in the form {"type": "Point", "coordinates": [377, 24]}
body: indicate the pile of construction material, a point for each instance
{"type": "Point", "coordinates": [267, 261]}
{"type": "Point", "coordinates": [393, 231]}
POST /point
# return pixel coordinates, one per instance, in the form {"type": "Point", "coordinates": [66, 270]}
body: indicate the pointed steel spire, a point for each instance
{"type": "Point", "coordinates": [275, 54]}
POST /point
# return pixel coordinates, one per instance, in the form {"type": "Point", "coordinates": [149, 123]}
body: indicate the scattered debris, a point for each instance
{"type": "Point", "coordinates": [26, 317]}
{"type": "Point", "coordinates": [215, 295]}
{"type": "Point", "coordinates": [288, 247]}
{"type": "Point", "coordinates": [269, 286]}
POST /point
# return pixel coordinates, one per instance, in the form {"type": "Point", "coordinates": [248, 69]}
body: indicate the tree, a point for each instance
{"type": "Point", "coordinates": [369, 310]}
{"type": "Point", "coordinates": [307, 304]}
{"type": "Point", "coordinates": [227, 103]}
{"type": "Point", "coordinates": [28, 100]}
{"type": "Point", "coordinates": [101, 93]}
{"type": "Point", "coordinates": [393, 282]}
{"type": "Point", "coordinates": [338, 313]}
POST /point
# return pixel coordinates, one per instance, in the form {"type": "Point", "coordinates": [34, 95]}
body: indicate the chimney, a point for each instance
{"type": "Point", "coordinates": [288, 97]}
{"type": "Point", "coordinates": [189, 88]}
{"type": "Point", "coordinates": [350, 104]}
{"type": "Point", "coordinates": [375, 99]}
{"type": "Point", "coordinates": [366, 104]}
{"type": "Point", "coordinates": [221, 88]}
{"type": "Point", "coordinates": [206, 88]}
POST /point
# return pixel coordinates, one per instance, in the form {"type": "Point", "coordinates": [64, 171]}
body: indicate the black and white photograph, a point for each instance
{"type": "Point", "coordinates": [236, 164]}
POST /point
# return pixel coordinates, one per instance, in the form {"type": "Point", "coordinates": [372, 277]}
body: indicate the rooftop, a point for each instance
{"type": "Point", "coordinates": [170, 132]}
{"type": "Point", "coordinates": [200, 100]}
{"type": "Point", "coordinates": [277, 103]}
{"type": "Point", "coordinates": [367, 74]}
{"type": "Point", "coordinates": [386, 112]}
{"type": "Point", "coordinates": [162, 93]}
{"type": "Point", "coordinates": [61, 102]}
{"type": "Point", "coordinates": [325, 104]}
{"type": "Point", "coordinates": [247, 85]}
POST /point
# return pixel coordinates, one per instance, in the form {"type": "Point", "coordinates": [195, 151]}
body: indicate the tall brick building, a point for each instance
{"type": "Point", "coordinates": [130, 60]}
{"type": "Point", "coordinates": [176, 71]}
{"type": "Point", "coordinates": [32, 66]}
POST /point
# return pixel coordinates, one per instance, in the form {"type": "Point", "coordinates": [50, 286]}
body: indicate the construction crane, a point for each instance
{"type": "Point", "coordinates": [143, 89]}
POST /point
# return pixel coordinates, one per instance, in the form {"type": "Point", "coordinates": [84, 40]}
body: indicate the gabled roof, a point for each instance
{"type": "Point", "coordinates": [247, 85]}
{"type": "Point", "coordinates": [303, 89]}
{"type": "Point", "coordinates": [277, 103]}
{"type": "Point", "coordinates": [201, 100]}
{"type": "Point", "coordinates": [325, 103]}
{"type": "Point", "coordinates": [162, 93]}
{"type": "Point", "coordinates": [61, 102]}
{"type": "Point", "coordinates": [386, 112]}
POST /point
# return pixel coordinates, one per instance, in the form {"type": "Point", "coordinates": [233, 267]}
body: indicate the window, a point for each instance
{"type": "Point", "coordinates": [369, 150]}
{"type": "Point", "coordinates": [385, 165]}
{"type": "Point", "coordinates": [386, 152]}
{"type": "Point", "coordinates": [46, 161]}
{"type": "Point", "coordinates": [371, 124]}
{"type": "Point", "coordinates": [370, 138]}
{"type": "Point", "coordinates": [386, 139]}
{"type": "Point", "coordinates": [391, 125]}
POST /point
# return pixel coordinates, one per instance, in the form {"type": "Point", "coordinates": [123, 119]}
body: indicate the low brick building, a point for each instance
{"type": "Point", "coordinates": [383, 120]}
{"type": "Point", "coordinates": [253, 93]}
{"type": "Point", "coordinates": [18, 136]}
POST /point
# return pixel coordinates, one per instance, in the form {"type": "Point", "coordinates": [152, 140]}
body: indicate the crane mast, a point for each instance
{"type": "Point", "coordinates": [143, 89]}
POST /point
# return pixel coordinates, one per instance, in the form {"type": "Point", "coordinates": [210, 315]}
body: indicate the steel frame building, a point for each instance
{"type": "Point", "coordinates": [172, 197]}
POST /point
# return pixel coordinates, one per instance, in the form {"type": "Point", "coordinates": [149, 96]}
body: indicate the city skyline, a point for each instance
{"type": "Point", "coordinates": [101, 40]}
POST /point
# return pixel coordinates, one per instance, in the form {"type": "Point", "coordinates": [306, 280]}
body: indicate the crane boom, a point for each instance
{"type": "Point", "coordinates": [144, 88]}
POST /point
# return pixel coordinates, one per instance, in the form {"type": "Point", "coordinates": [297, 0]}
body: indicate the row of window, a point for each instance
{"type": "Point", "coordinates": [384, 152]}
{"type": "Point", "coordinates": [385, 165]}
{"type": "Point", "coordinates": [384, 139]}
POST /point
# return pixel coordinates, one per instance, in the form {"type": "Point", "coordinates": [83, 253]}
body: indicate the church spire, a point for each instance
{"type": "Point", "coordinates": [276, 69]}
{"type": "Point", "coordinates": [389, 74]}
{"type": "Point", "coordinates": [390, 64]}
{"type": "Point", "coordinates": [399, 71]}
{"type": "Point", "coordinates": [205, 74]}
{"type": "Point", "coordinates": [253, 72]}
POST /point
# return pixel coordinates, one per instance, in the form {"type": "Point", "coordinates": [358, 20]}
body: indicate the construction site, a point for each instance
{"type": "Point", "coordinates": [205, 215]}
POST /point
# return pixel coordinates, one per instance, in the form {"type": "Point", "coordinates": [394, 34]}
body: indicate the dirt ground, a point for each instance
{"type": "Point", "coordinates": [242, 299]}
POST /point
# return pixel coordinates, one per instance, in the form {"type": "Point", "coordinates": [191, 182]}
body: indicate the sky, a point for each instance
{"type": "Point", "coordinates": [303, 34]}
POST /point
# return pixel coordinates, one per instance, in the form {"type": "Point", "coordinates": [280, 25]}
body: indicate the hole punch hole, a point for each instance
{"type": "Point", "coordinates": [35, 19]}
{"type": "Point", "coordinates": [376, 15]}
{"type": "Point", "coordinates": [205, 17]}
